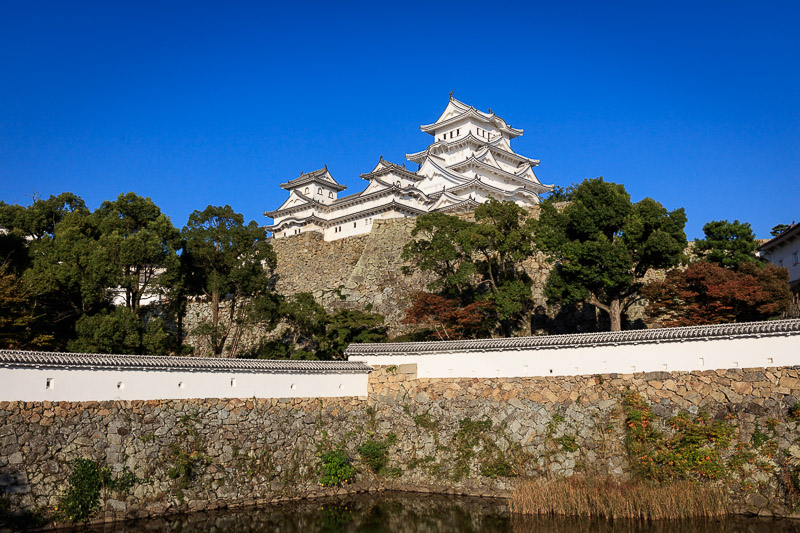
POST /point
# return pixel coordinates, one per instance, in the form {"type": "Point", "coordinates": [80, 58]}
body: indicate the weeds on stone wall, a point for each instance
{"type": "Point", "coordinates": [474, 440]}
{"type": "Point", "coordinates": [426, 421]}
{"type": "Point", "coordinates": [186, 458]}
{"type": "Point", "coordinates": [691, 450]}
{"type": "Point", "coordinates": [375, 452]}
{"type": "Point", "coordinates": [86, 484]}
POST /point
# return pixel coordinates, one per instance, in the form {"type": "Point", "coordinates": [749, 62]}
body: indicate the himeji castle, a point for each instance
{"type": "Point", "coordinates": [470, 161]}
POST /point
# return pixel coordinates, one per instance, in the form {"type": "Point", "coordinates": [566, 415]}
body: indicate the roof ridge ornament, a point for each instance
{"type": "Point", "coordinates": [451, 95]}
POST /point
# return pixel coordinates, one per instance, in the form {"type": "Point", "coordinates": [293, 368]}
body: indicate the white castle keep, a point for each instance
{"type": "Point", "coordinates": [470, 161]}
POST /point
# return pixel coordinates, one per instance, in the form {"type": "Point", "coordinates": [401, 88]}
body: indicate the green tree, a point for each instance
{"type": "Point", "coordinates": [480, 260]}
{"type": "Point", "coordinates": [18, 324]}
{"type": "Point", "coordinates": [70, 274]}
{"type": "Point", "coordinates": [778, 229]}
{"type": "Point", "coordinates": [119, 330]}
{"type": "Point", "coordinates": [141, 244]}
{"type": "Point", "coordinates": [502, 240]}
{"type": "Point", "coordinates": [561, 194]}
{"type": "Point", "coordinates": [727, 244]}
{"type": "Point", "coordinates": [603, 244]}
{"type": "Point", "coordinates": [231, 264]}
{"type": "Point", "coordinates": [40, 218]}
{"type": "Point", "coordinates": [305, 319]}
{"type": "Point", "coordinates": [350, 326]}
{"type": "Point", "coordinates": [441, 244]}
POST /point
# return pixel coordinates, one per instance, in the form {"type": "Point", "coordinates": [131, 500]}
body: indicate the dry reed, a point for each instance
{"type": "Point", "coordinates": [610, 499]}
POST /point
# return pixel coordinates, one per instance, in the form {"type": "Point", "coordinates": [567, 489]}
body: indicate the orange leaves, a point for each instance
{"type": "Point", "coordinates": [447, 317]}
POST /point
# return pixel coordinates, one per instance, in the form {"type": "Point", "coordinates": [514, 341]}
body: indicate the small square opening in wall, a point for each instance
{"type": "Point", "coordinates": [50, 384]}
{"type": "Point", "coordinates": [233, 383]}
{"type": "Point", "coordinates": [769, 360]}
{"type": "Point", "coordinates": [120, 385]}
{"type": "Point", "coordinates": [181, 385]}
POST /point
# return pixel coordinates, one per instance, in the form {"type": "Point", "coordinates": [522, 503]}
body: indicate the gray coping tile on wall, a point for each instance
{"type": "Point", "coordinates": [744, 329]}
{"type": "Point", "coordinates": [28, 359]}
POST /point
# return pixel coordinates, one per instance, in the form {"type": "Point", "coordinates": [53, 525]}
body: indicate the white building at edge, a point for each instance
{"type": "Point", "coordinates": [470, 161]}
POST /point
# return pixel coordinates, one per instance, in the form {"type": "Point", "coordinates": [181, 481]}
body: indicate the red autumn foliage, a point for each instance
{"type": "Point", "coordinates": [448, 319]}
{"type": "Point", "coordinates": [706, 293]}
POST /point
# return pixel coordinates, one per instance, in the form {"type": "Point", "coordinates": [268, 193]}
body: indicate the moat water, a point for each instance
{"type": "Point", "coordinates": [416, 513]}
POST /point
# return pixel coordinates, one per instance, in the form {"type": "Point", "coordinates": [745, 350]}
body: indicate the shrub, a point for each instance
{"type": "Point", "coordinates": [82, 497]}
{"type": "Point", "coordinates": [335, 468]}
{"type": "Point", "coordinates": [375, 452]}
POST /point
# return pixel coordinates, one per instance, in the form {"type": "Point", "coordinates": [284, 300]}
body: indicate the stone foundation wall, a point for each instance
{"type": "Point", "coordinates": [472, 436]}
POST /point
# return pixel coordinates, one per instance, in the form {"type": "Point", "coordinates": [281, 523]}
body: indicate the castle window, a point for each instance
{"type": "Point", "coordinates": [354, 224]}
{"type": "Point", "coordinates": [306, 191]}
{"type": "Point", "coordinates": [458, 132]}
{"type": "Point", "coordinates": [330, 194]}
{"type": "Point", "coordinates": [319, 190]}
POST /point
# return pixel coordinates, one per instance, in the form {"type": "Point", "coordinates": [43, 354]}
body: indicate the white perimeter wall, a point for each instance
{"type": "Point", "coordinates": [748, 352]}
{"type": "Point", "coordinates": [31, 384]}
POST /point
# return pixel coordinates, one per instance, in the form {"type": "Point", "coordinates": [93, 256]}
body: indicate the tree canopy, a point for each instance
{"type": "Point", "coordinates": [232, 264]}
{"type": "Point", "coordinates": [727, 244]}
{"type": "Point", "coordinates": [602, 245]}
{"type": "Point", "coordinates": [707, 293]}
{"type": "Point", "coordinates": [141, 243]}
{"type": "Point", "coordinates": [478, 261]}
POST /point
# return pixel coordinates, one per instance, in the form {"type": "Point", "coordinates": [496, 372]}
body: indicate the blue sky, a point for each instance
{"type": "Point", "coordinates": [696, 104]}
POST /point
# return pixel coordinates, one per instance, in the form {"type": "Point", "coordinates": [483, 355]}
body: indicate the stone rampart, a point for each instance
{"type": "Point", "coordinates": [472, 436]}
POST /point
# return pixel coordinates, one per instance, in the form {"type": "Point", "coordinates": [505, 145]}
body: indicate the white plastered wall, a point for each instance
{"type": "Point", "coordinates": [74, 385]}
{"type": "Point", "coordinates": [689, 355]}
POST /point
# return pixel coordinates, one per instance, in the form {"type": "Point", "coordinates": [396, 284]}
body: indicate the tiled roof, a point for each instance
{"type": "Point", "coordinates": [776, 327]}
{"type": "Point", "coordinates": [18, 358]}
{"type": "Point", "coordinates": [792, 232]}
{"type": "Point", "coordinates": [317, 176]}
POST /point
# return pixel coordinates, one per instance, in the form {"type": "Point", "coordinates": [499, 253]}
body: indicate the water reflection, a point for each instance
{"type": "Point", "coordinates": [416, 513]}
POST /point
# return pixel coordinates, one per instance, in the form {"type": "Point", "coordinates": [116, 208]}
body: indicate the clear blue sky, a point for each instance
{"type": "Point", "coordinates": [696, 104]}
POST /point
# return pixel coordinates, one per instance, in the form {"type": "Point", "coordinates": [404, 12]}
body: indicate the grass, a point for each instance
{"type": "Point", "coordinates": [609, 499]}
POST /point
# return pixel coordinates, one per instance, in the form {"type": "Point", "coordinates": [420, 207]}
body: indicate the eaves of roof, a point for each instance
{"type": "Point", "coordinates": [470, 138]}
{"type": "Point", "coordinates": [537, 187]}
{"type": "Point", "coordinates": [789, 235]}
{"type": "Point", "coordinates": [493, 119]}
